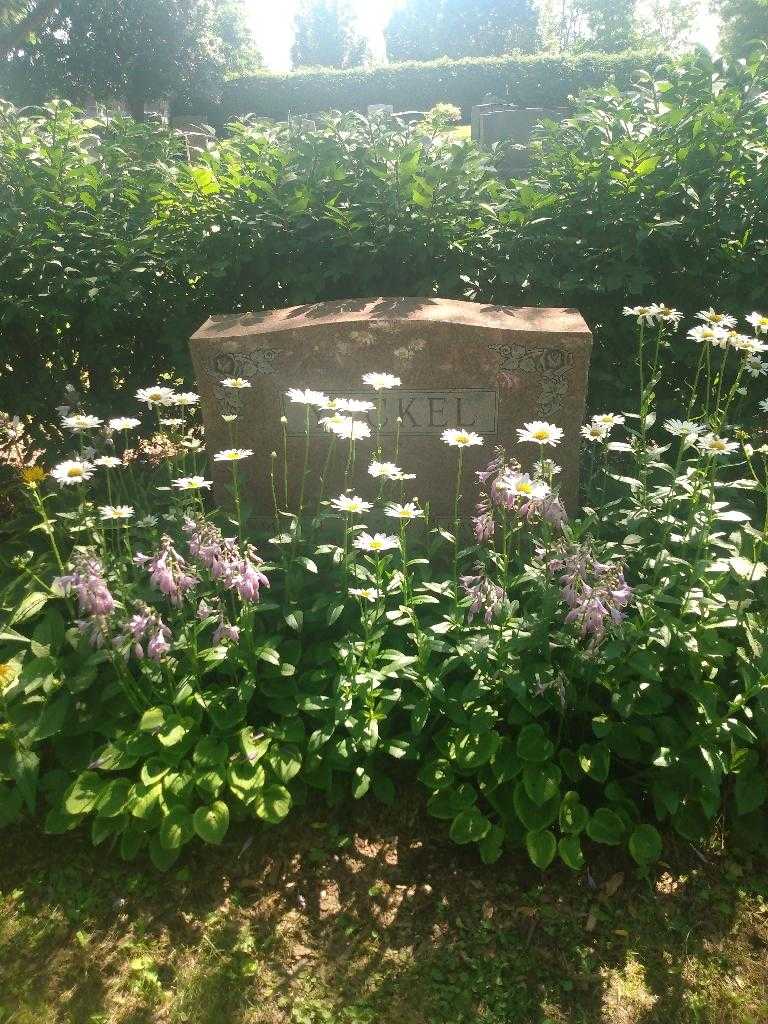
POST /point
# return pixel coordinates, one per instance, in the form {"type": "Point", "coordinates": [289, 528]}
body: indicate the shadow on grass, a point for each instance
{"type": "Point", "coordinates": [372, 917]}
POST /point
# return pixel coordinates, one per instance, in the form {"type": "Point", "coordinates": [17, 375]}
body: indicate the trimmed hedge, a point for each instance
{"type": "Point", "coordinates": [531, 81]}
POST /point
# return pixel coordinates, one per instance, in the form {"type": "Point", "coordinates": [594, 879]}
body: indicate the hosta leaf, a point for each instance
{"type": "Point", "coordinates": [570, 852]}
{"type": "Point", "coordinates": [82, 795]}
{"type": "Point", "coordinates": [542, 847]}
{"type": "Point", "coordinates": [272, 804]}
{"type": "Point", "coordinates": [645, 844]}
{"type": "Point", "coordinates": [469, 826]}
{"type": "Point", "coordinates": [211, 823]}
{"type": "Point", "coordinates": [533, 744]}
{"type": "Point", "coordinates": [177, 828]}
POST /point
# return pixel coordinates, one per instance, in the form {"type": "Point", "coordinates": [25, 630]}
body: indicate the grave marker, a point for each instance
{"type": "Point", "coordinates": [486, 368]}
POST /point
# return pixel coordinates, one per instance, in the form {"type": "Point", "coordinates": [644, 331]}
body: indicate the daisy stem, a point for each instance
{"type": "Point", "coordinates": [236, 493]}
{"type": "Point", "coordinates": [285, 462]}
{"type": "Point", "coordinates": [379, 399]}
{"type": "Point", "coordinates": [695, 389]}
{"type": "Point", "coordinates": [324, 474]}
{"type": "Point", "coordinates": [457, 498]}
{"type": "Point", "coordinates": [720, 378]}
{"type": "Point", "coordinates": [49, 529]}
{"type": "Point", "coordinates": [306, 460]}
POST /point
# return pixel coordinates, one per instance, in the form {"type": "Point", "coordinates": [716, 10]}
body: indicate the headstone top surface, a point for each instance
{"type": "Point", "coordinates": [526, 319]}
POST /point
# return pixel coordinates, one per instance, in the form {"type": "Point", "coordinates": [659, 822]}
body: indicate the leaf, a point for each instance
{"type": "Point", "coordinates": [31, 605]}
{"type": "Point", "coordinates": [254, 747]}
{"type": "Point", "coordinates": [574, 815]}
{"type": "Point", "coordinates": [295, 620]}
{"type": "Point", "coordinates": [645, 845]}
{"type": "Point", "coordinates": [152, 720]}
{"type": "Point", "coordinates": [245, 779]}
{"type": "Point", "coordinates": [570, 852]}
{"type": "Point", "coordinates": [605, 826]}
{"type": "Point", "coordinates": [210, 752]}
{"type": "Point", "coordinates": [163, 858]}
{"type": "Point", "coordinates": [595, 760]}
{"type": "Point", "coordinates": [272, 804]}
{"type": "Point", "coordinates": [747, 570]}
{"type": "Point", "coordinates": [177, 828]}
{"type": "Point", "coordinates": [113, 798]}
{"type": "Point", "coordinates": [534, 816]}
{"type": "Point", "coordinates": [51, 719]}
{"type": "Point", "coordinates": [542, 847]}
{"type": "Point", "coordinates": [542, 782]}
{"type": "Point", "coordinates": [532, 743]}
{"type": "Point", "coordinates": [23, 767]}
{"type": "Point", "coordinates": [492, 844]}
{"type": "Point", "coordinates": [211, 823]}
{"type": "Point", "coordinates": [285, 762]}
{"type": "Point", "coordinates": [469, 826]}
{"type": "Point", "coordinates": [750, 791]}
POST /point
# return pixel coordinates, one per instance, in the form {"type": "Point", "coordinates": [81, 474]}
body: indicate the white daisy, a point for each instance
{"type": "Point", "coordinates": [643, 314]}
{"type": "Point", "coordinates": [72, 471]}
{"type": "Point", "coordinates": [741, 342]}
{"type": "Point", "coordinates": [683, 428]}
{"type": "Point", "coordinates": [381, 381]}
{"type": "Point", "coordinates": [707, 332]}
{"type": "Point", "coordinates": [755, 366]}
{"type": "Point", "coordinates": [713, 444]}
{"type": "Point", "coordinates": [236, 383]}
{"type": "Point", "coordinates": [186, 398]}
{"type": "Point", "coordinates": [115, 512]}
{"type": "Point", "coordinates": [763, 406]}
{"type": "Point", "coordinates": [709, 316]}
{"type": "Point", "coordinates": [307, 397]}
{"type": "Point", "coordinates": [666, 314]}
{"type": "Point", "coordinates": [408, 511]}
{"type": "Point", "coordinates": [754, 347]}
{"type": "Point", "coordinates": [157, 395]}
{"type": "Point", "coordinates": [232, 454]}
{"type": "Point", "coordinates": [192, 444]}
{"type": "Point", "coordinates": [388, 470]}
{"type": "Point", "coordinates": [229, 417]}
{"type": "Point", "coordinates": [366, 593]}
{"type": "Point", "coordinates": [147, 522]}
{"type": "Point", "coordinates": [124, 423]}
{"type": "Point", "coordinates": [348, 405]}
{"type": "Point", "coordinates": [191, 483]}
{"type": "Point", "coordinates": [759, 321]}
{"type": "Point", "coordinates": [461, 438]}
{"type": "Point", "coordinates": [108, 461]}
{"type": "Point", "coordinates": [352, 506]}
{"type": "Point", "coordinates": [354, 429]}
{"type": "Point", "coordinates": [377, 542]}
{"type": "Point", "coordinates": [539, 432]}
{"type": "Point", "coordinates": [546, 468]}
{"type": "Point", "coordinates": [79, 422]}
{"type": "Point", "coordinates": [597, 432]}
{"type": "Point", "coordinates": [172, 423]}
{"type": "Point", "coordinates": [521, 484]}
{"type": "Point", "coordinates": [608, 419]}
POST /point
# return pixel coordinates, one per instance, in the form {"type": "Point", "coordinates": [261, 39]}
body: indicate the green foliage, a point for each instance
{"type": "Point", "coordinates": [594, 682]}
{"type": "Point", "coordinates": [525, 80]}
{"type": "Point", "coordinates": [745, 25]}
{"type": "Point", "coordinates": [136, 51]}
{"type": "Point", "coordinates": [326, 36]}
{"type": "Point", "coordinates": [426, 29]}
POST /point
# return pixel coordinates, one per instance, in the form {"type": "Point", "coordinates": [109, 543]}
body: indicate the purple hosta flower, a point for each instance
{"type": "Point", "coordinates": [483, 522]}
{"type": "Point", "coordinates": [145, 626]}
{"type": "Point", "coordinates": [204, 610]}
{"type": "Point", "coordinates": [237, 569]}
{"type": "Point", "coordinates": [549, 508]}
{"type": "Point", "coordinates": [487, 597]}
{"type": "Point", "coordinates": [88, 584]}
{"type": "Point", "coordinates": [95, 629]}
{"type": "Point", "coordinates": [168, 571]}
{"type": "Point", "coordinates": [594, 591]}
{"type": "Point", "coordinates": [248, 578]}
{"type": "Point", "coordinates": [225, 631]}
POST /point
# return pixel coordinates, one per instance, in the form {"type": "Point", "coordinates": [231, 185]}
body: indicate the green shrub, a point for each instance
{"type": "Point", "coordinates": [553, 685]}
{"type": "Point", "coordinates": [528, 81]}
{"type": "Point", "coordinates": [113, 249]}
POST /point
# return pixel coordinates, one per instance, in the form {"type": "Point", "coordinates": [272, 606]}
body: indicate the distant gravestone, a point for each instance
{"type": "Point", "coordinates": [477, 113]}
{"type": "Point", "coordinates": [196, 136]}
{"type": "Point", "coordinates": [411, 116]}
{"type": "Point", "coordinates": [514, 125]}
{"type": "Point", "coordinates": [380, 108]}
{"type": "Point", "coordinates": [485, 368]}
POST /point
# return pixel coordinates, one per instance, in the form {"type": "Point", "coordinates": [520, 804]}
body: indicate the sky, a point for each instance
{"type": "Point", "coordinates": [272, 23]}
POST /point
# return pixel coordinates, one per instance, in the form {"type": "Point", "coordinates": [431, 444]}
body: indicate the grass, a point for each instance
{"type": "Point", "coordinates": [374, 917]}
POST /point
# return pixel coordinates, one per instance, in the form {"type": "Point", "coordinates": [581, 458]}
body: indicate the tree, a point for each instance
{"type": "Point", "coordinates": [327, 36]}
{"type": "Point", "coordinates": [428, 29]}
{"type": "Point", "coordinates": [745, 25]}
{"type": "Point", "coordinates": [136, 51]}
{"type": "Point", "coordinates": [19, 20]}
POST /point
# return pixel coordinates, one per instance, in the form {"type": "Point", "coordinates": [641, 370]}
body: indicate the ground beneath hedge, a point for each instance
{"type": "Point", "coordinates": [374, 918]}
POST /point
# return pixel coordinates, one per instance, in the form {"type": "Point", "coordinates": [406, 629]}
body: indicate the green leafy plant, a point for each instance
{"type": "Point", "coordinates": [552, 683]}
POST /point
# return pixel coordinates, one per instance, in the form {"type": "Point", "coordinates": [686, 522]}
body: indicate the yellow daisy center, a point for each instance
{"type": "Point", "coordinates": [74, 471]}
